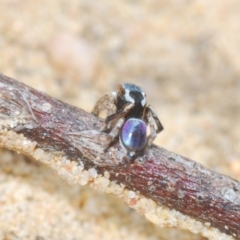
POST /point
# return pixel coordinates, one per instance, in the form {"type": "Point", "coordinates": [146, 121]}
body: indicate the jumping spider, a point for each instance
{"type": "Point", "coordinates": [127, 117]}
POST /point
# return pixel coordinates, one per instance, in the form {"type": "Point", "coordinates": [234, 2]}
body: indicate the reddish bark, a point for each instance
{"type": "Point", "coordinates": [163, 176]}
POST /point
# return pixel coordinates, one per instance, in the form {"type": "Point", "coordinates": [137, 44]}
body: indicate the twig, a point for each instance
{"type": "Point", "coordinates": [69, 140]}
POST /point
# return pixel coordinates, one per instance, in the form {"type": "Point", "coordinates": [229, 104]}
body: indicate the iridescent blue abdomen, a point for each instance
{"type": "Point", "coordinates": [134, 134]}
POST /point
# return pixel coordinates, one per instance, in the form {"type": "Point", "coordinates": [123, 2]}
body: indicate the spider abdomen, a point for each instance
{"type": "Point", "coordinates": [134, 134]}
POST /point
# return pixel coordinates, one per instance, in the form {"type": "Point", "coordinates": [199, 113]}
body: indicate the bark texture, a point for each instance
{"type": "Point", "coordinates": [167, 178]}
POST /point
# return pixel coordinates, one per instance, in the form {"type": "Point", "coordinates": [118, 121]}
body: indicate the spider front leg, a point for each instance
{"type": "Point", "coordinates": [107, 102]}
{"type": "Point", "coordinates": [115, 132]}
{"type": "Point", "coordinates": [151, 117]}
{"type": "Point", "coordinates": [111, 120]}
{"type": "Point", "coordinates": [115, 123]}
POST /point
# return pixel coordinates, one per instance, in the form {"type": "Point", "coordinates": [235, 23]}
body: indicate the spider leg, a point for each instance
{"type": "Point", "coordinates": [156, 119]}
{"type": "Point", "coordinates": [105, 103]}
{"type": "Point", "coordinates": [151, 118]}
{"type": "Point", "coordinates": [110, 121]}
{"type": "Point", "coordinates": [115, 132]}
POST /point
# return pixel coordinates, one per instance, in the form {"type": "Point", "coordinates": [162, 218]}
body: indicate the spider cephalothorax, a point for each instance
{"type": "Point", "coordinates": [128, 117]}
{"type": "Point", "coordinates": [129, 94]}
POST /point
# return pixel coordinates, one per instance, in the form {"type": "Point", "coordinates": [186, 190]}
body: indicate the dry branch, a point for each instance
{"type": "Point", "coordinates": [167, 188]}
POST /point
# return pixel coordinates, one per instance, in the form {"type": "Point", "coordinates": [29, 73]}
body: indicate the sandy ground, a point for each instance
{"type": "Point", "coordinates": [184, 54]}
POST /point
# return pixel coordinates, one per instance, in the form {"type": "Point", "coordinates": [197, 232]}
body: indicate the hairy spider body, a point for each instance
{"type": "Point", "coordinates": [127, 117]}
{"type": "Point", "coordinates": [127, 94]}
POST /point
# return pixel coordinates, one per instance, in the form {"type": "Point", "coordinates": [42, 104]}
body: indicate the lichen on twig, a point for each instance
{"type": "Point", "coordinates": [170, 190]}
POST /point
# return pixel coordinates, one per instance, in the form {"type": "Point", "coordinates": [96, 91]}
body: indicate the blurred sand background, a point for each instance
{"type": "Point", "coordinates": [184, 54]}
